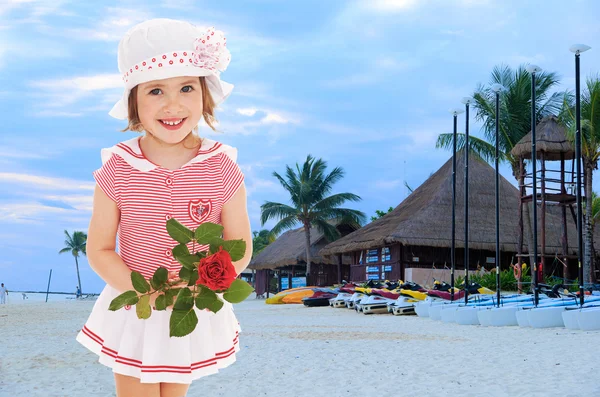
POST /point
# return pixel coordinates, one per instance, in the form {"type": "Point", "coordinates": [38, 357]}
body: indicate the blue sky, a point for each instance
{"type": "Point", "coordinates": [365, 85]}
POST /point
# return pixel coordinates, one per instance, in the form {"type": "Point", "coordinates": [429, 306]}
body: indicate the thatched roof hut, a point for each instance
{"type": "Point", "coordinates": [424, 217]}
{"type": "Point", "coordinates": [290, 249]}
{"type": "Point", "coordinates": [551, 141]}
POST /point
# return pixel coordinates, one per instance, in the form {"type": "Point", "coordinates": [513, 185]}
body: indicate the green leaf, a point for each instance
{"type": "Point", "coordinates": [184, 301]}
{"type": "Point", "coordinates": [170, 295]}
{"type": "Point", "coordinates": [193, 278]}
{"type": "Point", "coordinates": [178, 232]}
{"type": "Point", "coordinates": [207, 231]}
{"type": "Point", "coordinates": [126, 298]}
{"type": "Point", "coordinates": [208, 299]}
{"type": "Point", "coordinates": [182, 322]}
{"type": "Point", "coordinates": [180, 250]}
{"type": "Point", "coordinates": [185, 274]}
{"type": "Point", "coordinates": [142, 308]}
{"type": "Point", "coordinates": [236, 249]}
{"type": "Point", "coordinates": [188, 261]}
{"type": "Point", "coordinates": [215, 245]}
{"type": "Point", "coordinates": [238, 291]}
{"type": "Point", "coordinates": [160, 277]}
{"type": "Point", "coordinates": [161, 302]}
{"type": "Point", "coordinates": [139, 282]}
{"type": "Point", "coordinates": [215, 305]}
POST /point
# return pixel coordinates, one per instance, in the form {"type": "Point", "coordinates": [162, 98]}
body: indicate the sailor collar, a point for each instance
{"type": "Point", "coordinates": [131, 152]}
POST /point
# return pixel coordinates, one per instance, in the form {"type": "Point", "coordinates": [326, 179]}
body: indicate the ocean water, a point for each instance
{"type": "Point", "coordinates": [16, 298]}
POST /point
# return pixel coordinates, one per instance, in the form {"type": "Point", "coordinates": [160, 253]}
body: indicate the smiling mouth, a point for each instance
{"type": "Point", "coordinates": [173, 122]}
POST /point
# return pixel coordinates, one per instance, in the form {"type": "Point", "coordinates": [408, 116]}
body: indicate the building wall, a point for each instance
{"type": "Point", "coordinates": [377, 264]}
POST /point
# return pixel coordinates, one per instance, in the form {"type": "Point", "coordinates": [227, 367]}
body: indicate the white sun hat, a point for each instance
{"type": "Point", "coordinates": [163, 48]}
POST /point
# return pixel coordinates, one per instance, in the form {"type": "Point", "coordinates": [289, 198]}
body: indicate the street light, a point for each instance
{"type": "Point", "coordinates": [533, 70]}
{"type": "Point", "coordinates": [455, 113]}
{"type": "Point", "coordinates": [497, 88]}
{"type": "Point", "coordinates": [578, 49]}
{"type": "Point", "coordinates": [467, 101]}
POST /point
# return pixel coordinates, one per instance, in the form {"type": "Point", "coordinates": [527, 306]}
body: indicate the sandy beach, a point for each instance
{"type": "Point", "coordinates": [291, 350]}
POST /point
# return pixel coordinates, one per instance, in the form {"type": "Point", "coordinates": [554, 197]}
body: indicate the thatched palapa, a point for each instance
{"type": "Point", "coordinates": [290, 249]}
{"type": "Point", "coordinates": [551, 140]}
{"type": "Point", "coordinates": [421, 225]}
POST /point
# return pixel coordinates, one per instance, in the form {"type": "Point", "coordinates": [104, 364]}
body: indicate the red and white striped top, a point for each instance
{"type": "Point", "coordinates": [148, 195]}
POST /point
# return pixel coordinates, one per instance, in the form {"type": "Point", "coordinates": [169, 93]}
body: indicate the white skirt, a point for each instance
{"type": "Point", "coordinates": [143, 349]}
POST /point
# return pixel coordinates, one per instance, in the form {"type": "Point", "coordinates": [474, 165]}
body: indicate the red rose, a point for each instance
{"type": "Point", "coordinates": [216, 271]}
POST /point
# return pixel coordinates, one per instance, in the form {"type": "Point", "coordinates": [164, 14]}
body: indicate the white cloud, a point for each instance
{"type": "Point", "coordinates": [274, 118]}
{"type": "Point", "coordinates": [247, 111]}
{"type": "Point", "coordinates": [44, 182]}
{"type": "Point", "coordinates": [31, 212]}
{"type": "Point", "coordinates": [393, 5]}
{"type": "Point", "coordinates": [66, 93]}
{"type": "Point", "coordinates": [84, 203]}
{"type": "Point", "coordinates": [111, 28]}
{"type": "Point", "coordinates": [84, 83]}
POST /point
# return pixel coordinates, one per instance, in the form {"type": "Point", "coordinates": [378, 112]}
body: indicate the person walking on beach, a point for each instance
{"type": "Point", "coordinates": [171, 72]}
{"type": "Point", "coordinates": [78, 292]}
{"type": "Point", "coordinates": [3, 293]}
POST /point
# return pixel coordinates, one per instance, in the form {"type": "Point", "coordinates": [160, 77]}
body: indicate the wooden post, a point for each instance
{"type": "Point", "coordinates": [279, 280]}
{"type": "Point", "coordinates": [522, 192]}
{"type": "Point", "coordinates": [268, 281]}
{"type": "Point", "coordinates": [48, 289]}
{"type": "Point", "coordinates": [543, 219]}
{"type": "Point", "coordinates": [563, 207]}
{"type": "Point", "coordinates": [339, 268]}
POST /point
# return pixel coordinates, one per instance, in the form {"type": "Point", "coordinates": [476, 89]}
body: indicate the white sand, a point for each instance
{"type": "Point", "coordinates": [291, 350]}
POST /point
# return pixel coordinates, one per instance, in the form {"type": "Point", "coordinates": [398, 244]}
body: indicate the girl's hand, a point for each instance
{"type": "Point", "coordinates": [172, 277]}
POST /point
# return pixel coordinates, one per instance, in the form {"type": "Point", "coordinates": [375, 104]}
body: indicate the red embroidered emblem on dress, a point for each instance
{"type": "Point", "coordinates": [200, 209]}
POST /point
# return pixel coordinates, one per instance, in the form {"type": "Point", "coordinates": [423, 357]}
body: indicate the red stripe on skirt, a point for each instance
{"type": "Point", "coordinates": [161, 368]}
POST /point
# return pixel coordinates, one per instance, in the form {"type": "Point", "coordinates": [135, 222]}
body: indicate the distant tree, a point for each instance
{"type": "Point", "coordinates": [260, 240]}
{"type": "Point", "coordinates": [380, 213]}
{"type": "Point", "coordinates": [76, 245]}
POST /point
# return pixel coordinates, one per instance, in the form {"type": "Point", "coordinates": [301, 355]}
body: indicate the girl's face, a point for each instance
{"type": "Point", "coordinates": [170, 108]}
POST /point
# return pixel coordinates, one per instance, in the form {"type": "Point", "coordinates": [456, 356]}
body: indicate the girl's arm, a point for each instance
{"type": "Point", "coordinates": [101, 243]}
{"type": "Point", "coordinates": [236, 224]}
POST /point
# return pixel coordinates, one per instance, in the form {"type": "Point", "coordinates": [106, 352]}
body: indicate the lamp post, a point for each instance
{"type": "Point", "coordinates": [578, 49]}
{"type": "Point", "coordinates": [533, 69]}
{"type": "Point", "coordinates": [455, 113]}
{"type": "Point", "coordinates": [467, 101]}
{"type": "Point", "coordinates": [497, 88]}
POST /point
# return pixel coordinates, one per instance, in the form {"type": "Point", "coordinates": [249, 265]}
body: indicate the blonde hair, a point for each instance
{"type": "Point", "coordinates": [208, 109]}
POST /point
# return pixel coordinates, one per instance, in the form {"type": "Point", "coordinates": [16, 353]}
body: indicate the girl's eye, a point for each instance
{"type": "Point", "coordinates": [189, 89]}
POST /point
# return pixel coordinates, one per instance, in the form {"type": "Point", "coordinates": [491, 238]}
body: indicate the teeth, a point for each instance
{"type": "Point", "coordinates": [172, 122]}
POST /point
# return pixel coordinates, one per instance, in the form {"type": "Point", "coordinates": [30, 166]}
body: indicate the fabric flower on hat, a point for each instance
{"type": "Point", "coordinates": [211, 51]}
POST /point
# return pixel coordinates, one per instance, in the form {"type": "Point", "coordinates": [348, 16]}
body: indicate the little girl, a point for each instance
{"type": "Point", "coordinates": [171, 70]}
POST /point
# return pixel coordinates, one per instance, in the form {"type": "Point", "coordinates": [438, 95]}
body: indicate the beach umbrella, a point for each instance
{"type": "Point", "coordinates": [467, 101]}
{"type": "Point", "coordinates": [578, 49]}
{"type": "Point", "coordinates": [533, 69]}
{"type": "Point", "coordinates": [455, 113]}
{"type": "Point", "coordinates": [497, 88]}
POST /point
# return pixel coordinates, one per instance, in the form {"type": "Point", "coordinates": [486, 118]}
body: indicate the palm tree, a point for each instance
{"type": "Point", "coordinates": [308, 188]}
{"type": "Point", "coordinates": [590, 150]}
{"type": "Point", "coordinates": [75, 244]}
{"type": "Point", "coordinates": [260, 240]}
{"type": "Point", "coordinates": [514, 120]}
